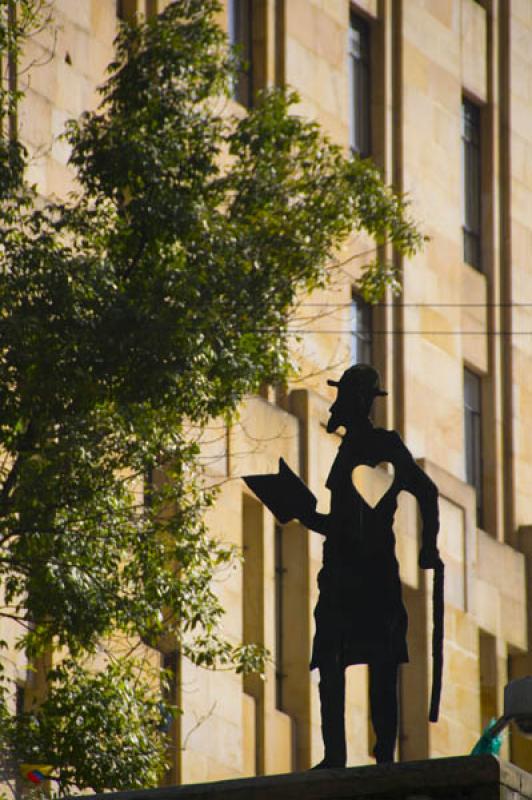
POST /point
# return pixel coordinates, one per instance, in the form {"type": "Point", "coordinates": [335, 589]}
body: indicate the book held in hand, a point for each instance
{"type": "Point", "coordinates": [283, 493]}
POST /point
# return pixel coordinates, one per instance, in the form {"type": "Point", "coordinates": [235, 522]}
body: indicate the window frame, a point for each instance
{"type": "Point", "coordinates": [279, 573]}
{"type": "Point", "coordinates": [126, 9]}
{"type": "Point", "coordinates": [240, 32]}
{"type": "Point", "coordinates": [473, 439]}
{"type": "Point", "coordinates": [471, 155]}
{"type": "Point", "coordinates": [361, 341]}
{"type": "Point", "coordinates": [359, 80]}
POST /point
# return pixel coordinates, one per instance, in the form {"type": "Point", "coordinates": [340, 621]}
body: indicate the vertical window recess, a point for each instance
{"type": "Point", "coordinates": [359, 86]}
{"type": "Point", "coordinates": [170, 663]}
{"type": "Point", "coordinates": [240, 31]}
{"type": "Point", "coordinates": [471, 184]}
{"type": "Point", "coordinates": [126, 9]}
{"type": "Point", "coordinates": [21, 788]}
{"type": "Point", "coordinates": [20, 699]}
{"type": "Point", "coordinates": [280, 571]}
{"type": "Point", "coordinates": [473, 438]}
{"type": "Point", "coordinates": [361, 325]}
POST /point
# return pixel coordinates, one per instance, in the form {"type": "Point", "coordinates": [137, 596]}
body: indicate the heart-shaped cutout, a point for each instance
{"type": "Point", "coordinates": [372, 483]}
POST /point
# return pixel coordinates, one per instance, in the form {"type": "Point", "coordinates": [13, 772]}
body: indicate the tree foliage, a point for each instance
{"type": "Point", "coordinates": [150, 301]}
{"type": "Point", "coordinates": [105, 708]}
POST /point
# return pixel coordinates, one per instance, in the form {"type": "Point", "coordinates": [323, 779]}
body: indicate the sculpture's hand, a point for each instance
{"type": "Point", "coordinates": [315, 521]}
{"type": "Point", "coordinates": [429, 557]}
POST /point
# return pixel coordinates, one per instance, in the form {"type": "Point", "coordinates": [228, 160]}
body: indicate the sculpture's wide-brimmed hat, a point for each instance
{"type": "Point", "coordinates": [360, 378]}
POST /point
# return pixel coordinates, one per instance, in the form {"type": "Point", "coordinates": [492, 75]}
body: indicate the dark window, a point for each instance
{"type": "Point", "coordinates": [170, 664]}
{"type": "Point", "coordinates": [20, 707]}
{"type": "Point", "coordinates": [361, 332]}
{"type": "Point", "coordinates": [487, 652]}
{"type": "Point", "coordinates": [359, 87]}
{"type": "Point", "coordinates": [129, 9]}
{"type": "Point", "coordinates": [148, 487]}
{"type": "Point", "coordinates": [240, 30]}
{"type": "Point", "coordinates": [279, 612]}
{"type": "Point", "coordinates": [473, 437]}
{"type": "Point", "coordinates": [471, 184]}
{"type": "Point", "coordinates": [126, 9]}
{"type": "Point", "coordinates": [20, 700]}
{"type": "Point", "coordinates": [11, 22]}
{"type": "Point", "coordinates": [253, 602]}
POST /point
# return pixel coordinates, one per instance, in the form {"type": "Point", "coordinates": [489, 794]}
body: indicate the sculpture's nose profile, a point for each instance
{"type": "Point", "coordinates": [334, 420]}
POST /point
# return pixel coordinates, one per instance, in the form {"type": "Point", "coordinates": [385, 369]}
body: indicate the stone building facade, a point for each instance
{"type": "Point", "coordinates": [439, 94]}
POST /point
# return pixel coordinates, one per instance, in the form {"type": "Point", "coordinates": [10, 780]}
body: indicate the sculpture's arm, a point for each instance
{"type": "Point", "coordinates": [427, 497]}
{"type": "Point", "coordinates": [315, 521]}
{"type": "Point", "coordinates": [425, 491]}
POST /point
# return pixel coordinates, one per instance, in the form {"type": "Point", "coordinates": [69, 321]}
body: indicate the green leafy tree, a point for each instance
{"type": "Point", "coordinates": [148, 303]}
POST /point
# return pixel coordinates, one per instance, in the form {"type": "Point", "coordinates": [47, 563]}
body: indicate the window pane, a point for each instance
{"type": "Point", "coordinates": [471, 122]}
{"type": "Point", "coordinates": [361, 332]}
{"type": "Point", "coordinates": [471, 180]}
{"type": "Point", "coordinates": [471, 249]}
{"type": "Point", "coordinates": [473, 437]}
{"type": "Point", "coordinates": [472, 391]}
{"type": "Point", "coordinates": [240, 31]}
{"type": "Point", "coordinates": [126, 9]}
{"type": "Point", "coordinates": [279, 612]}
{"type": "Point", "coordinates": [359, 86]}
{"type": "Point", "coordinates": [472, 188]}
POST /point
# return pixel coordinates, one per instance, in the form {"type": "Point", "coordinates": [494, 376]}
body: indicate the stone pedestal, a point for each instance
{"type": "Point", "coordinates": [462, 778]}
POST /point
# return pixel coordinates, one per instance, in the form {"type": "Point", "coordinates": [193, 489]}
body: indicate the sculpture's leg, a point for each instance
{"type": "Point", "coordinates": [383, 703]}
{"type": "Point", "coordinates": [332, 698]}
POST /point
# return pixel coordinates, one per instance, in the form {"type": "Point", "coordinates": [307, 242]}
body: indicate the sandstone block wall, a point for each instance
{"type": "Point", "coordinates": [425, 56]}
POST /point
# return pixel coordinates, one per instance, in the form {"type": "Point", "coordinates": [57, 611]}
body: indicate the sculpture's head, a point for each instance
{"type": "Point", "coordinates": [357, 388]}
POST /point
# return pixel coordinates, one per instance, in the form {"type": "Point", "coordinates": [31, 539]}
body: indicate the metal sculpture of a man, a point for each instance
{"type": "Point", "coordinates": [360, 616]}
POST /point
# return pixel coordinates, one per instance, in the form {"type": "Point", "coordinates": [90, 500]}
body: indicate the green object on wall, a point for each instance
{"type": "Point", "coordinates": [488, 744]}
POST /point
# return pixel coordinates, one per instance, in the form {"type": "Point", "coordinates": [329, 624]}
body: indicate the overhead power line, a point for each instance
{"type": "Point", "coordinates": [418, 305]}
{"type": "Point", "coordinates": [338, 332]}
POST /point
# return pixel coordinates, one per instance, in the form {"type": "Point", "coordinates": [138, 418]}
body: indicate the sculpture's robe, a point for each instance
{"type": "Point", "coordinates": [360, 616]}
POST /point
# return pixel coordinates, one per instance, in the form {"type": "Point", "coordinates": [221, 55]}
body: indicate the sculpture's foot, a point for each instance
{"type": "Point", "coordinates": [384, 756]}
{"type": "Point", "coordinates": [325, 764]}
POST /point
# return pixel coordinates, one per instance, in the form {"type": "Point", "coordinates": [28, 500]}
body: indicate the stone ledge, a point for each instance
{"type": "Point", "coordinates": [461, 778]}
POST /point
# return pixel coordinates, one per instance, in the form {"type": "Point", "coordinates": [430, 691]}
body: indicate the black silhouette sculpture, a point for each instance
{"type": "Point", "coordinates": [360, 616]}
